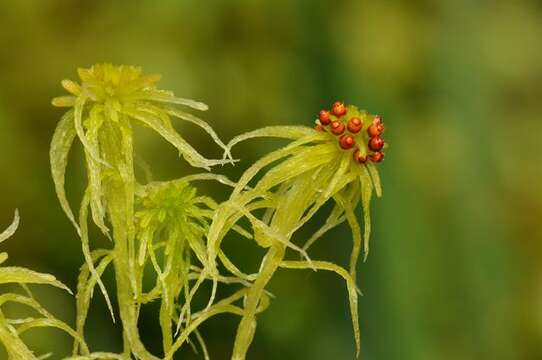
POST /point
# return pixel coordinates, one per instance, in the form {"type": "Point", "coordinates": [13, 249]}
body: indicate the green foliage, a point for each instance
{"type": "Point", "coordinates": [177, 232]}
{"type": "Point", "coordinates": [168, 222]}
{"type": "Point", "coordinates": [312, 170]}
{"type": "Point", "coordinates": [11, 329]}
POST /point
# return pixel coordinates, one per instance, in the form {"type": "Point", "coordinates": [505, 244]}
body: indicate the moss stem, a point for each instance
{"type": "Point", "coordinates": [247, 326]}
{"type": "Point", "coordinates": [119, 194]}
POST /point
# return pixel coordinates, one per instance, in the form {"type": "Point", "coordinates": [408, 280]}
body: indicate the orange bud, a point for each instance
{"type": "Point", "coordinates": [376, 157]}
{"type": "Point", "coordinates": [376, 143]}
{"type": "Point", "coordinates": [324, 117]}
{"type": "Point", "coordinates": [337, 127]}
{"type": "Point", "coordinates": [347, 142]}
{"type": "Point", "coordinates": [339, 109]}
{"type": "Point", "coordinates": [354, 125]}
{"type": "Point", "coordinates": [376, 129]}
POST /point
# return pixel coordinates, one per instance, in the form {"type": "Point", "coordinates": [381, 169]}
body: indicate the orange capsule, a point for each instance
{"type": "Point", "coordinates": [338, 108]}
{"type": "Point", "coordinates": [376, 129]}
{"type": "Point", "coordinates": [347, 142]}
{"type": "Point", "coordinates": [376, 143]}
{"type": "Point", "coordinates": [354, 125]}
{"type": "Point", "coordinates": [359, 157]}
{"type": "Point", "coordinates": [324, 117]}
{"type": "Point", "coordinates": [376, 157]}
{"type": "Point", "coordinates": [337, 127]}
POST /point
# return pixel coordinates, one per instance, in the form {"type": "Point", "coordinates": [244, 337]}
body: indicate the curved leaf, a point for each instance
{"type": "Point", "coordinates": [6, 234]}
{"type": "Point", "coordinates": [13, 274]}
{"type": "Point", "coordinates": [58, 155]}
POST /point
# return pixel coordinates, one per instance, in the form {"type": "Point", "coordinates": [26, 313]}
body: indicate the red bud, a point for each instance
{"type": "Point", "coordinates": [324, 117]}
{"type": "Point", "coordinates": [376, 157]}
{"type": "Point", "coordinates": [376, 143]}
{"type": "Point", "coordinates": [337, 127]}
{"type": "Point", "coordinates": [339, 109]}
{"type": "Point", "coordinates": [354, 125]}
{"type": "Point", "coordinates": [347, 142]}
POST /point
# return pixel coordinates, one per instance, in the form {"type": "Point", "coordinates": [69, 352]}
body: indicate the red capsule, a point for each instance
{"type": "Point", "coordinates": [338, 108]}
{"type": "Point", "coordinates": [359, 157]}
{"type": "Point", "coordinates": [354, 125]}
{"type": "Point", "coordinates": [376, 157]}
{"type": "Point", "coordinates": [337, 127]}
{"type": "Point", "coordinates": [324, 117]}
{"type": "Point", "coordinates": [376, 129]}
{"type": "Point", "coordinates": [376, 143]}
{"type": "Point", "coordinates": [347, 142]}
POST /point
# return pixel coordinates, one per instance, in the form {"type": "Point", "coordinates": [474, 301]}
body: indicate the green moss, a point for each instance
{"type": "Point", "coordinates": [11, 329]}
{"type": "Point", "coordinates": [312, 170]}
{"type": "Point", "coordinates": [178, 232]}
{"type": "Point", "coordinates": [107, 103]}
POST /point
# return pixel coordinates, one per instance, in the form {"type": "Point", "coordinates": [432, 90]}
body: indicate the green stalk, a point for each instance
{"type": "Point", "coordinates": [287, 215]}
{"type": "Point", "coordinates": [119, 194]}
{"type": "Point", "coordinates": [15, 347]}
{"type": "Point", "coordinates": [247, 326]}
{"type": "Point", "coordinates": [174, 259]}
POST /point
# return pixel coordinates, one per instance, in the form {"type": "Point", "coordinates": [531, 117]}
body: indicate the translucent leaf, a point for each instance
{"type": "Point", "coordinates": [15, 347]}
{"type": "Point", "coordinates": [78, 121]}
{"type": "Point", "coordinates": [98, 356]}
{"type": "Point", "coordinates": [356, 232]}
{"type": "Point", "coordinates": [64, 101]}
{"type": "Point", "coordinates": [282, 132]}
{"type": "Point", "coordinates": [352, 292]}
{"type": "Point", "coordinates": [305, 160]}
{"type": "Point", "coordinates": [376, 178]}
{"type": "Point", "coordinates": [168, 97]}
{"type": "Point", "coordinates": [50, 322]}
{"type": "Point", "coordinates": [202, 344]}
{"type": "Point", "coordinates": [83, 215]}
{"type": "Point", "coordinates": [223, 306]}
{"type": "Point", "coordinates": [60, 147]}
{"type": "Point", "coordinates": [6, 234]}
{"type": "Point", "coordinates": [3, 257]}
{"type": "Point", "coordinates": [335, 218]}
{"type": "Point", "coordinates": [202, 124]}
{"type": "Point", "coordinates": [85, 289]}
{"type": "Point", "coordinates": [169, 134]}
{"type": "Point", "coordinates": [12, 274]}
{"type": "Point", "coordinates": [366, 194]}
{"type": "Point", "coordinates": [336, 178]}
{"type": "Point", "coordinates": [71, 87]}
{"type": "Point", "coordinates": [292, 148]}
{"type": "Point", "coordinates": [94, 170]}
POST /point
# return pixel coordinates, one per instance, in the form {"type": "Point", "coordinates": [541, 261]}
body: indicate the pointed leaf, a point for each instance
{"type": "Point", "coordinates": [6, 234]}
{"type": "Point", "coordinates": [12, 274]}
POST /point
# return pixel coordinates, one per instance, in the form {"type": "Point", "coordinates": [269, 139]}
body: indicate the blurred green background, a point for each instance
{"type": "Point", "coordinates": [454, 271]}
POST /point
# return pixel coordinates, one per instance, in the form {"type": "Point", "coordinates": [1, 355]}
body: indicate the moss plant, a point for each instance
{"type": "Point", "coordinates": [335, 161]}
{"type": "Point", "coordinates": [109, 100]}
{"type": "Point", "coordinates": [175, 231]}
{"type": "Point", "coordinates": [172, 223]}
{"type": "Point", "coordinates": [11, 329]}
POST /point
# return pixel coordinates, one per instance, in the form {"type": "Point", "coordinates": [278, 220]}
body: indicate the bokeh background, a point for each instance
{"type": "Point", "coordinates": [455, 269]}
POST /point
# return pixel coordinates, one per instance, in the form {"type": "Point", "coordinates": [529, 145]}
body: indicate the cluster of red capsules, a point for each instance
{"type": "Point", "coordinates": [349, 132]}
